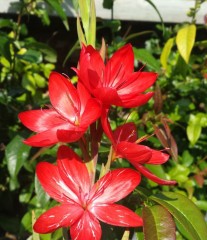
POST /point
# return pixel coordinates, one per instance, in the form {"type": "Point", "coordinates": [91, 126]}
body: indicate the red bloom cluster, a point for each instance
{"type": "Point", "coordinates": [72, 111]}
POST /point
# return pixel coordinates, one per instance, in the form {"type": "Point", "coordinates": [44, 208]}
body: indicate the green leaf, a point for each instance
{"type": "Point", "coordinates": [59, 10]}
{"type": "Point", "coordinates": [16, 154]}
{"type": "Point", "coordinates": [42, 196]}
{"type": "Point", "coordinates": [92, 25]}
{"type": "Point", "coordinates": [185, 212]}
{"type": "Point", "coordinates": [28, 82]}
{"type": "Point", "coordinates": [5, 47]}
{"type": "Point", "coordinates": [31, 56]}
{"type": "Point", "coordinates": [6, 23]}
{"type": "Point", "coordinates": [185, 40]}
{"type": "Point", "coordinates": [165, 52]}
{"type": "Point", "coordinates": [146, 57]}
{"type": "Point", "coordinates": [81, 36]}
{"type": "Point", "coordinates": [158, 223]}
{"type": "Point", "coordinates": [108, 4]}
{"type": "Point", "coordinates": [40, 81]}
{"type": "Point", "coordinates": [195, 125]}
{"type": "Point", "coordinates": [84, 7]}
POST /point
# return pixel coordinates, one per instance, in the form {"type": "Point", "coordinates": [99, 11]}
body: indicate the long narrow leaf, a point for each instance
{"type": "Point", "coordinates": [185, 212]}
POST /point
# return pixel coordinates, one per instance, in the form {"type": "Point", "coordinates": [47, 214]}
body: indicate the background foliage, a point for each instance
{"type": "Point", "coordinates": [177, 116]}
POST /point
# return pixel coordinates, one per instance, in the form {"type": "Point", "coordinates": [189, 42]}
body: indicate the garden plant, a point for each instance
{"type": "Point", "coordinates": [118, 149]}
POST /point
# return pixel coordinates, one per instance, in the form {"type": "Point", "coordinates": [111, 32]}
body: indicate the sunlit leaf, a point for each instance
{"type": "Point", "coordinates": [158, 223]}
{"type": "Point", "coordinates": [81, 36]}
{"type": "Point", "coordinates": [185, 40]}
{"type": "Point", "coordinates": [92, 25]}
{"type": "Point", "coordinates": [165, 52]}
{"type": "Point", "coordinates": [185, 212]}
{"type": "Point", "coordinates": [195, 125]}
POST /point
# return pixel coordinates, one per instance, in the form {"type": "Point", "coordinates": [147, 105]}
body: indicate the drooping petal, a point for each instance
{"type": "Point", "coordinates": [143, 170]}
{"type": "Point", "coordinates": [126, 132]}
{"type": "Point", "coordinates": [87, 228]}
{"type": "Point", "coordinates": [92, 113]}
{"type": "Point", "coordinates": [64, 97]}
{"type": "Point", "coordinates": [53, 184]}
{"type": "Point", "coordinates": [134, 152]}
{"type": "Point", "coordinates": [158, 157]}
{"type": "Point", "coordinates": [73, 171]}
{"type": "Point", "coordinates": [117, 215]}
{"type": "Point", "coordinates": [57, 217]}
{"type": "Point", "coordinates": [114, 186]}
{"type": "Point", "coordinates": [41, 120]}
{"type": "Point", "coordinates": [106, 126]}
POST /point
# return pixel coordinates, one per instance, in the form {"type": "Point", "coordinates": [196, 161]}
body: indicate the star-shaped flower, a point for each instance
{"type": "Point", "coordinates": [82, 203]}
{"type": "Point", "coordinates": [72, 111]}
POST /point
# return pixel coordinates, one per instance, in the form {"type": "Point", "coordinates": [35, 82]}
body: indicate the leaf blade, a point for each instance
{"type": "Point", "coordinates": [185, 212]}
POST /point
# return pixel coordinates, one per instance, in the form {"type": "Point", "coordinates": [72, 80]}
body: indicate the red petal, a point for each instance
{"type": "Point", "coordinates": [70, 135]}
{"type": "Point", "coordinates": [43, 139]}
{"type": "Point", "coordinates": [64, 97]}
{"type": "Point", "coordinates": [92, 113]}
{"type": "Point", "coordinates": [158, 157]}
{"type": "Point", "coordinates": [108, 96]}
{"type": "Point", "coordinates": [129, 101]}
{"type": "Point", "coordinates": [137, 83]}
{"type": "Point", "coordinates": [84, 96]}
{"type": "Point", "coordinates": [120, 65]}
{"type": "Point", "coordinates": [126, 132]}
{"type": "Point", "coordinates": [57, 217]}
{"type": "Point", "coordinates": [53, 184]}
{"type": "Point", "coordinates": [151, 176]}
{"type": "Point", "coordinates": [41, 120]}
{"type": "Point", "coordinates": [73, 171]}
{"type": "Point", "coordinates": [114, 186]}
{"type": "Point", "coordinates": [90, 60]}
{"type": "Point", "coordinates": [62, 133]}
{"type": "Point", "coordinates": [106, 126]}
{"type": "Point", "coordinates": [134, 152]}
{"type": "Point", "coordinates": [87, 228]}
{"type": "Point", "coordinates": [117, 215]}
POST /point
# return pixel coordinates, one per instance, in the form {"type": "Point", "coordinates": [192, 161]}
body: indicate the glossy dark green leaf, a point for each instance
{"type": "Point", "coordinates": [185, 212]}
{"type": "Point", "coordinates": [50, 54]}
{"type": "Point", "coordinates": [4, 47]}
{"type": "Point", "coordinates": [42, 196]}
{"type": "Point", "coordinates": [31, 56]}
{"type": "Point", "coordinates": [158, 223]}
{"type": "Point", "coordinates": [146, 57]}
{"type": "Point", "coordinates": [16, 154]}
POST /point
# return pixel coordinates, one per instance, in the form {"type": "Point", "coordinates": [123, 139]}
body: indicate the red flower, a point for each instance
{"type": "Point", "coordinates": [72, 111]}
{"type": "Point", "coordinates": [114, 83]}
{"type": "Point", "coordinates": [124, 144]}
{"type": "Point", "coordinates": [81, 203]}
